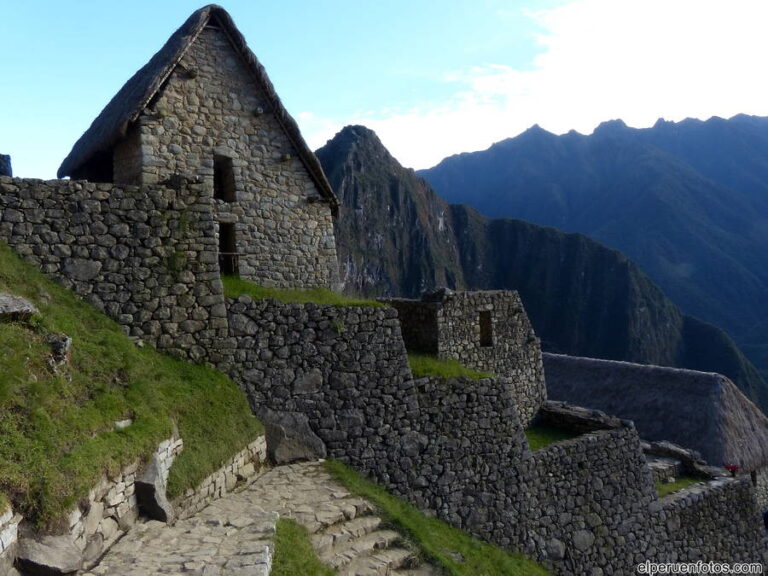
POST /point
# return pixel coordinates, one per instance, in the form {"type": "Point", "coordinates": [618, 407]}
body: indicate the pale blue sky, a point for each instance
{"type": "Point", "coordinates": [431, 77]}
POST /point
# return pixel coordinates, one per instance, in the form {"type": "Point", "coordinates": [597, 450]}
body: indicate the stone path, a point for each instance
{"type": "Point", "coordinates": [233, 536]}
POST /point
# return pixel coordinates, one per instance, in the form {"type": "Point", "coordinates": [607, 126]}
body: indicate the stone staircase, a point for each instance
{"type": "Point", "coordinates": [344, 530]}
{"type": "Point", "coordinates": [664, 469]}
{"type": "Point", "coordinates": [362, 546]}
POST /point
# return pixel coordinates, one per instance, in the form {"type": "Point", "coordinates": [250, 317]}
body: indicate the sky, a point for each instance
{"type": "Point", "coordinates": [432, 77]}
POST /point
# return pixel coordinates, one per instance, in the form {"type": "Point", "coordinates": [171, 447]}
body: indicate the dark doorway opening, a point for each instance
{"type": "Point", "coordinates": [223, 179]}
{"type": "Point", "coordinates": [228, 257]}
{"type": "Point", "coordinates": [486, 329]}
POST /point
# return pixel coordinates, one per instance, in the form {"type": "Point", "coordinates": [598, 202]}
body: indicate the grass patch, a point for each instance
{"type": "Point", "coordinates": [294, 554]}
{"type": "Point", "coordinates": [540, 436]}
{"type": "Point", "coordinates": [234, 287]}
{"type": "Point", "coordinates": [423, 365]}
{"type": "Point", "coordinates": [57, 431]}
{"type": "Point", "coordinates": [439, 543]}
{"type": "Point", "coordinates": [666, 488]}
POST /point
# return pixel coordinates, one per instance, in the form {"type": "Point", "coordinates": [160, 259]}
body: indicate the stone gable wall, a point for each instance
{"type": "Point", "coordinates": [144, 256]}
{"type": "Point", "coordinates": [209, 106]}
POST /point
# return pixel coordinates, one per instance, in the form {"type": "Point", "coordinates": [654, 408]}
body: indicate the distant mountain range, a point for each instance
{"type": "Point", "coordinates": [396, 236]}
{"type": "Point", "coordinates": [687, 201]}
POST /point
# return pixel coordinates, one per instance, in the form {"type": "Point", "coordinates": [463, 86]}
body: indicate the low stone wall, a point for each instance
{"type": "Point", "coordinates": [111, 508]}
{"type": "Point", "coordinates": [712, 522]}
{"type": "Point", "coordinates": [9, 531]}
{"type": "Point", "coordinates": [243, 467]}
{"type": "Point", "coordinates": [145, 256]}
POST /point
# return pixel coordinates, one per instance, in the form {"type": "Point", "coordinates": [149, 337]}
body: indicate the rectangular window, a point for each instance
{"type": "Point", "coordinates": [228, 257]}
{"type": "Point", "coordinates": [223, 179]}
{"type": "Point", "coordinates": [486, 328]}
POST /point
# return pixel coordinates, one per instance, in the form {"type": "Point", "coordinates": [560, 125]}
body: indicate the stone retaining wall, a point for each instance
{"type": "Point", "coordinates": [713, 521]}
{"type": "Point", "coordinates": [457, 448]}
{"type": "Point", "coordinates": [243, 467]}
{"type": "Point", "coordinates": [9, 531]}
{"type": "Point", "coordinates": [5, 165]}
{"type": "Point", "coordinates": [145, 256]}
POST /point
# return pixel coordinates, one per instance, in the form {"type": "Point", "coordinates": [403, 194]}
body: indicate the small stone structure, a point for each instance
{"type": "Point", "coordinates": [488, 331]}
{"type": "Point", "coordinates": [5, 165]}
{"type": "Point", "coordinates": [204, 110]}
{"type": "Point", "coordinates": [9, 532]}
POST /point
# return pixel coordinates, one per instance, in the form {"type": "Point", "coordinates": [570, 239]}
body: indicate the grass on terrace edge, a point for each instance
{"type": "Point", "coordinates": [294, 554]}
{"type": "Point", "coordinates": [57, 432]}
{"type": "Point", "coordinates": [666, 488]}
{"type": "Point", "coordinates": [423, 365]}
{"type": "Point", "coordinates": [235, 286]}
{"type": "Point", "coordinates": [437, 540]}
{"type": "Point", "coordinates": [541, 436]}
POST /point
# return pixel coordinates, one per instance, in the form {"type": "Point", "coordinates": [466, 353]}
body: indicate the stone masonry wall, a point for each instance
{"type": "Point", "coordinates": [592, 497]}
{"type": "Point", "coordinates": [515, 351]}
{"type": "Point", "coordinates": [241, 468]}
{"type": "Point", "coordinates": [9, 532]}
{"type": "Point", "coordinates": [761, 488]}
{"type": "Point", "coordinates": [212, 106]}
{"type": "Point", "coordinates": [712, 521]}
{"type": "Point", "coordinates": [457, 447]}
{"type": "Point", "coordinates": [147, 257]}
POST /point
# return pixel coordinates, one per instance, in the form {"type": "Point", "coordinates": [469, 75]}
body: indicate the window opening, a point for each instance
{"type": "Point", "coordinates": [228, 258]}
{"type": "Point", "coordinates": [223, 179]}
{"type": "Point", "coordinates": [486, 328]}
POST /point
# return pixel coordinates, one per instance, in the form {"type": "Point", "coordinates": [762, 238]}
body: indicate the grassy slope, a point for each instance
{"type": "Point", "coordinates": [294, 554]}
{"type": "Point", "coordinates": [423, 365]}
{"type": "Point", "coordinates": [56, 430]}
{"type": "Point", "coordinates": [440, 543]}
{"type": "Point", "coordinates": [234, 287]}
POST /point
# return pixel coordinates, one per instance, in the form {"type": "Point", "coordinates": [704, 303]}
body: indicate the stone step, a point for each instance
{"type": "Point", "coordinates": [380, 563]}
{"type": "Point", "coordinates": [341, 511]}
{"type": "Point", "coordinates": [346, 552]}
{"type": "Point", "coordinates": [339, 533]}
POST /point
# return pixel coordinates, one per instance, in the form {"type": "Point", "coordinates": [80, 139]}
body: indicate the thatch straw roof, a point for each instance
{"type": "Point", "coordinates": [126, 106]}
{"type": "Point", "coordinates": [699, 410]}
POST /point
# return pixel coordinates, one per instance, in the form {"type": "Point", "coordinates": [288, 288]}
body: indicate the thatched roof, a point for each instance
{"type": "Point", "coordinates": [699, 410]}
{"type": "Point", "coordinates": [126, 106]}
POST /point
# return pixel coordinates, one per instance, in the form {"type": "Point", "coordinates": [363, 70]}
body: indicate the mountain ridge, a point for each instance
{"type": "Point", "coordinates": [397, 237]}
{"type": "Point", "coordinates": [688, 201]}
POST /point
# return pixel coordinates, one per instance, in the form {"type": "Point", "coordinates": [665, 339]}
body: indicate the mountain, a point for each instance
{"type": "Point", "coordinates": [688, 201]}
{"type": "Point", "coordinates": [397, 237]}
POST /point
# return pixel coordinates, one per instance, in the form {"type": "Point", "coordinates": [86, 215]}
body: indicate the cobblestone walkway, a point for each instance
{"type": "Point", "coordinates": [233, 536]}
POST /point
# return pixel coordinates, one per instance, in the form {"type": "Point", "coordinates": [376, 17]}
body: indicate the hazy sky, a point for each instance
{"type": "Point", "coordinates": [432, 78]}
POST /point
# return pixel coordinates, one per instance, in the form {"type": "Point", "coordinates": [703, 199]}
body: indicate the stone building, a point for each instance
{"type": "Point", "coordinates": [203, 110]}
{"type": "Point", "coordinates": [488, 331]}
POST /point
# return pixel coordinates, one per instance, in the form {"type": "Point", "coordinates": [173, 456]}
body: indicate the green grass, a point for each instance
{"type": "Point", "coordinates": [540, 436]}
{"type": "Point", "coordinates": [665, 488]}
{"type": "Point", "coordinates": [57, 429]}
{"type": "Point", "coordinates": [423, 365]}
{"type": "Point", "coordinates": [234, 287]}
{"type": "Point", "coordinates": [440, 544]}
{"type": "Point", "coordinates": [294, 555]}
